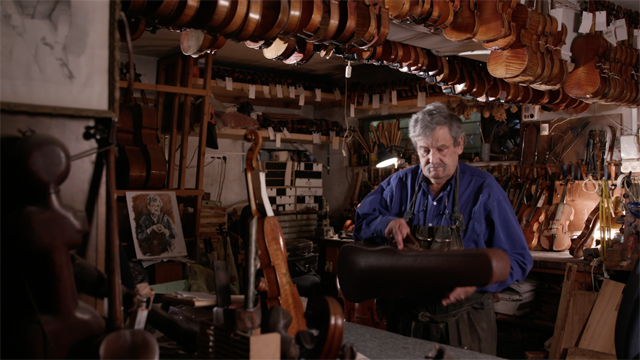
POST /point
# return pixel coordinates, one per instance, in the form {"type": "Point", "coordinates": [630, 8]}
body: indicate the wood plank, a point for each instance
{"type": "Point", "coordinates": [600, 330]}
{"type": "Point", "coordinates": [575, 353]}
{"type": "Point", "coordinates": [164, 88]}
{"type": "Point", "coordinates": [563, 311]}
{"type": "Point", "coordinates": [579, 311]}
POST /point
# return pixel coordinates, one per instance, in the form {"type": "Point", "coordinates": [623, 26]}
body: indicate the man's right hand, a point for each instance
{"type": "Point", "coordinates": [396, 231]}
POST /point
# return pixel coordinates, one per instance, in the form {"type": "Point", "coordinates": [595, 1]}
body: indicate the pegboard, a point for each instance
{"type": "Point", "coordinates": [560, 131]}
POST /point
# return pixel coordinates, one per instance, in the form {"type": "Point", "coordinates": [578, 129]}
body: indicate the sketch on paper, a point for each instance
{"type": "Point", "coordinates": [55, 53]}
{"type": "Point", "coordinates": [155, 224]}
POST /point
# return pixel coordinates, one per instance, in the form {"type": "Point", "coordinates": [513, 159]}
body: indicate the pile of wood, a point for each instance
{"type": "Point", "coordinates": [585, 325]}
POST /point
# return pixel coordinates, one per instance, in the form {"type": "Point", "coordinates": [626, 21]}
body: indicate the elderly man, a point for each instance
{"type": "Point", "coordinates": [444, 204]}
{"type": "Point", "coordinates": [155, 230]}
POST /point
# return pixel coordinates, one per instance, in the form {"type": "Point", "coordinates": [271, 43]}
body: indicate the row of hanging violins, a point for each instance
{"type": "Point", "coordinates": [606, 73]}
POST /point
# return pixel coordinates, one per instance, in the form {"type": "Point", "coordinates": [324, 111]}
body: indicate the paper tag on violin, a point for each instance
{"type": "Point", "coordinates": [220, 82]}
{"type": "Point", "coordinates": [278, 139]}
{"type": "Point", "coordinates": [286, 133]}
{"type": "Point", "coordinates": [336, 93]}
{"type": "Point", "coordinates": [252, 91]}
{"type": "Point", "coordinates": [264, 195]}
{"type": "Point", "coordinates": [541, 201]}
{"type": "Point", "coordinates": [292, 92]}
{"type": "Point", "coordinates": [318, 94]}
{"type": "Point", "coordinates": [279, 91]}
{"type": "Point", "coordinates": [352, 110]}
{"type": "Point", "coordinates": [376, 101]}
{"type": "Point", "coordinates": [335, 142]}
{"type": "Point", "coordinates": [610, 35]}
{"type": "Point", "coordinates": [422, 99]}
{"type": "Point", "coordinates": [272, 134]}
{"type": "Point", "coordinates": [229, 83]}
{"type": "Point", "coordinates": [301, 100]}
{"type": "Point", "coordinates": [316, 138]}
{"type": "Point", "coordinates": [365, 100]}
{"type": "Point", "coordinates": [621, 29]}
{"type": "Point", "coordinates": [394, 97]}
{"type": "Point", "coordinates": [601, 20]}
{"type": "Point", "coordinates": [141, 319]}
{"type": "Point", "coordinates": [385, 97]}
{"type": "Point", "coordinates": [266, 90]}
{"type": "Point", "coordinates": [587, 20]}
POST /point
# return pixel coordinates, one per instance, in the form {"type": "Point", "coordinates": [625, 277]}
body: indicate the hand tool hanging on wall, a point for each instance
{"type": "Point", "coordinates": [577, 133]}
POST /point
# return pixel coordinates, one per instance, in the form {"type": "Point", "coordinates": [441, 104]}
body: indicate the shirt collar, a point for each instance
{"type": "Point", "coordinates": [446, 191]}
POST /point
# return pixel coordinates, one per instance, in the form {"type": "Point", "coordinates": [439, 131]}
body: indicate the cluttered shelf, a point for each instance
{"type": "Point", "coordinates": [238, 134]}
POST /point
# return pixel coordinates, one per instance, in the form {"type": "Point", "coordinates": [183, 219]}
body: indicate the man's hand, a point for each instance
{"type": "Point", "coordinates": [458, 294]}
{"type": "Point", "coordinates": [396, 231]}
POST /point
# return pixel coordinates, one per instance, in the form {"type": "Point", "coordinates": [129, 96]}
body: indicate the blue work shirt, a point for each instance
{"type": "Point", "coordinates": [488, 216]}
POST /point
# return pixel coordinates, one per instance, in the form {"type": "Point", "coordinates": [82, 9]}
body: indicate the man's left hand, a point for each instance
{"type": "Point", "coordinates": [458, 294]}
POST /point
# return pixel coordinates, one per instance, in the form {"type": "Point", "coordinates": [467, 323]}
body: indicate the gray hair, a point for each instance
{"type": "Point", "coordinates": [153, 198]}
{"type": "Point", "coordinates": [424, 122]}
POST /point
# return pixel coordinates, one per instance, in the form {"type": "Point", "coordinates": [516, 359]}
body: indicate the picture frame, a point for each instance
{"type": "Point", "coordinates": [155, 224]}
{"type": "Point", "coordinates": [60, 58]}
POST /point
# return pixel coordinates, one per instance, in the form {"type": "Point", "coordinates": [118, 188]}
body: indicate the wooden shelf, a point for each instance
{"type": "Point", "coordinates": [240, 93]}
{"type": "Point", "coordinates": [238, 134]}
{"type": "Point", "coordinates": [185, 192]}
{"type": "Point", "coordinates": [164, 88]}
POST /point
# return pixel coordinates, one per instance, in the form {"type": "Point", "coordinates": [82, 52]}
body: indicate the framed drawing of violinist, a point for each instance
{"type": "Point", "coordinates": [59, 57]}
{"type": "Point", "coordinates": [155, 224]}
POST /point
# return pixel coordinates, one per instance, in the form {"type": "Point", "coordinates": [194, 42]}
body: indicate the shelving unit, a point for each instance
{"type": "Point", "coordinates": [171, 79]}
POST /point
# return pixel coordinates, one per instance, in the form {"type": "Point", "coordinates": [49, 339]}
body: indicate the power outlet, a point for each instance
{"type": "Point", "coordinates": [630, 165]}
{"type": "Point", "coordinates": [530, 112]}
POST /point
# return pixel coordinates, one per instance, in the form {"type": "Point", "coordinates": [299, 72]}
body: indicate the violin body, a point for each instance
{"type": "Point", "coordinates": [586, 236]}
{"type": "Point", "coordinates": [273, 262]}
{"type": "Point", "coordinates": [531, 228]}
{"type": "Point", "coordinates": [555, 234]}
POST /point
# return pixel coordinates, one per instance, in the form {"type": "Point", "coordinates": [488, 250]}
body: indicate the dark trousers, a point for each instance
{"type": "Point", "coordinates": [470, 324]}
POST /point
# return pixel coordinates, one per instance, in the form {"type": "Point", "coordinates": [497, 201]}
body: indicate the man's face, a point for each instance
{"type": "Point", "coordinates": [438, 155]}
{"type": "Point", "coordinates": [154, 208]}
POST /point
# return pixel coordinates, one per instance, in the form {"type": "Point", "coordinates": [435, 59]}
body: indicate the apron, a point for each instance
{"type": "Point", "coordinates": [468, 324]}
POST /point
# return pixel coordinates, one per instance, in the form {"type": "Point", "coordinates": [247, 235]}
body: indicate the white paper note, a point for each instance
{"type": "Point", "coordinates": [352, 110]}
{"type": "Point", "coordinates": [336, 93]}
{"type": "Point", "coordinates": [422, 99]}
{"type": "Point", "coordinates": [610, 35]}
{"type": "Point", "coordinates": [318, 95]}
{"type": "Point", "coordinates": [365, 101]}
{"type": "Point", "coordinates": [335, 143]}
{"type": "Point", "coordinates": [376, 101]}
{"type": "Point", "coordinates": [385, 97]}
{"type": "Point", "coordinates": [278, 139]}
{"type": "Point", "coordinates": [621, 30]}
{"type": "Point", "coordinates": [265, 91]}
{"type": "Point", "coordinates": [252, 91]}
{"type": "Point", "coordinates": [587, 20]}
{"type": "Point", "coordinates": [292, 92]}
{"type": "Point", "coordinates": [279, 91]}
{"type": "Point", "coordinates": [286, 132]}
{"type": "Point", "coordinates": [316, 138]}
{"type": "Point", "coordinates": [394, 97]}
{"type": "Point", "coordinates": [601, 20]}
{"type": "Point", "coordinates": [220, 82]}
{"type": "Point", "coordinates": [229, 83]}
{"type": "Point", "coordinates": [272, 134]}
{"type": "Point", "coordinates": [301, 100]}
